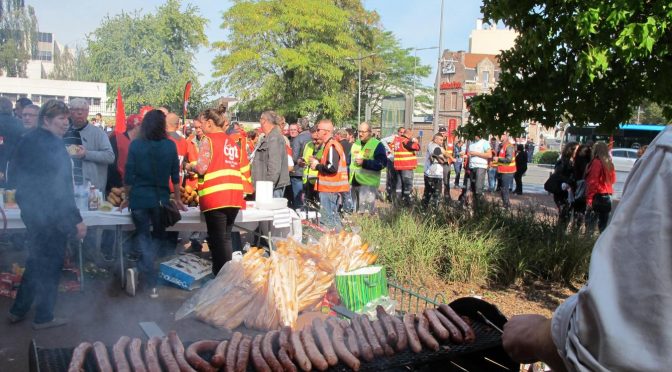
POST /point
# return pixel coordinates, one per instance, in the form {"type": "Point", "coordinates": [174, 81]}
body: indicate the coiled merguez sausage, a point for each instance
{"type": "Point", "coordinates": [151, 354]}
{"type": "Point", "coordinates": [423, 333]}
{"type": "Point", "coordinates": [467, 331]}
{"type": "Point", "coordinates": [313, 353]}
{"type": "Point", "coordinates": [409, 326]}
{"type": "Point", "coordinates": [135, 353]}
{"type": "Point", "coordinates": [257, 358]}
{"type": "Point", "coordinates": [300, 356]}
{"type": "Point", "coordinates": [119, 353]}
{"type": "Point", "coordinates": [337, 337]}
{"type": "Point", "coordinates": [219, 358]}
{"type": "Point", "coordinates": [167, 356]}
{"type": "Point", "coordinates": [178, 350]}
{"type": "Point", "coordinates": [267, 350]}
{"type": "Point", "coordinates": [232, 351]}
{"type": "Point", "coordinates": [200, 347]}
{"type": "Point", "coordinates": [243, 356]}
{"type": "Point", "coordinates": [388, 324]}
{"type": "Point", "coordinates": [102, 357]}
{"type": "Point", "coordinates": [79, 356]}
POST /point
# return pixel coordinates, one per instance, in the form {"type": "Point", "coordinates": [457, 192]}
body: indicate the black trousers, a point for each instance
{"type": "Point", "coordinates": [220, 223]}
{"type": "Point", "coordinates": [518, 177]}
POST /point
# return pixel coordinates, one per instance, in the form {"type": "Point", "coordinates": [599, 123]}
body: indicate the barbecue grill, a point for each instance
{"type": "Point", "coordinates": [485, 354]}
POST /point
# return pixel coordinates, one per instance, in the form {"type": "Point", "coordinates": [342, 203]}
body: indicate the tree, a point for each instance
{"type": "Point", "coordinates": [18, 37]}
{"type": "Point", "coordinates": [149, 57]}
{"type": "Point", "coordinates": [590, 61]}
{"type": "Point", "coordinates": [299, 57]}
{"type": "Point", "coordinates": [650, 113]}
{"type": "Point", "coordinates": [65, 65]}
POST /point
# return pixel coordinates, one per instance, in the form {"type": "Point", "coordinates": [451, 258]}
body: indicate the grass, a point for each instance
{"type": "Point", "coordinates": [489, 246]}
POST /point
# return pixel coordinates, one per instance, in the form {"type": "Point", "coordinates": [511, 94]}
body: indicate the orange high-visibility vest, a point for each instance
{"type": "Point", "coordinates": [337, 182]}
{"type": "Point", "coordinates": [403, 159]}
{"type": "Point", "coordinates": [245, 170]}
{"type": "Point", "coordinates": [222, 185]}
{"type": "Point", "coordinates": [450, 151]}
{"type": "Point", "coordinates": [505, 167]}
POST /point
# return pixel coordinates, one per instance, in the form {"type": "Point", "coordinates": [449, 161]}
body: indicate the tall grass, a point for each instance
{"type": "Point", "coordinates": [488, 244]}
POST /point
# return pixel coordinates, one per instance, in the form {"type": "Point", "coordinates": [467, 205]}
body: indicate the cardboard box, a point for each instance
{"type": "Point", "coordinates": [186, 271]}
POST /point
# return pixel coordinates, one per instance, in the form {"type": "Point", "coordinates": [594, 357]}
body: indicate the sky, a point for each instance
{"type": "Point", "coordinates": [414, 23]}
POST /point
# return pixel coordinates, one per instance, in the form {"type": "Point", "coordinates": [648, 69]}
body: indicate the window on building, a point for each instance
{"type": "Point", "coordinates": [44, 37]}
{"type": "Point", "coordinates": [44, 55]}
{"type": "Point", "coordinates": [445, 101]}
{"type": "Point", "coordinates": [453, 101]}
{"type": "Point", "coordinates": [96, 101]}
{"type": "Point", "coordinates": [486, 79]}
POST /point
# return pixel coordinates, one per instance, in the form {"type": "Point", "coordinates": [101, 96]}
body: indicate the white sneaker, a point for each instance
{"type": "Point", "coordinates": [154, 293]}
{"type": "Point", "coordinates": [131, 281]}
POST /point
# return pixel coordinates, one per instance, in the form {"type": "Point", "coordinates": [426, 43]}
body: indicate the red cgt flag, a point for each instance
{"type": "Point", "coordinates": [120, 116]}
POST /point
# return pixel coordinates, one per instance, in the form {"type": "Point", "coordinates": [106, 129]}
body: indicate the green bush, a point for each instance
{"type": "Point", "coordinates": [488, 245]}
{"type": "Point", "coordinates": [546, 157]}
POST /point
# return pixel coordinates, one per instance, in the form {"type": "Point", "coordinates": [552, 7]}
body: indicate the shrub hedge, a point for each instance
{"type": "Point", "coordinates": [545, 157]}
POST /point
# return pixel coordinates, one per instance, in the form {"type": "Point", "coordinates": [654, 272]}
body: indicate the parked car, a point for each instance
{"type": "Point", "coordinates": [623, 159]}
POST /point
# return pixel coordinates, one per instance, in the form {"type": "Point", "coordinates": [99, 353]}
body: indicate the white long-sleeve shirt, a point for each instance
{"type": "Point", "coordinates": [622, 319]}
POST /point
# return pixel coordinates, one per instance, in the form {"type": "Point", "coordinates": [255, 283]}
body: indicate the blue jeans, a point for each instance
{"type": "Point", "coordinates": [458, 168]}
{"type": "Point", "coordinates": [364, 198]}
{"type": "Point", "coordinates": [297, 192]}
{"type": "Point", "coordinates": [507, 181]}
{"type": "Point", "coordinates": [148, 242]}
{"type": "Point", "coordinates": [39, 283]}
{"type": "Point", "coordinates": [492, 179]}
{"type": "Point", "coordinates": [279, 192]}
{"type": "Point", "coordinates": [329, 210]}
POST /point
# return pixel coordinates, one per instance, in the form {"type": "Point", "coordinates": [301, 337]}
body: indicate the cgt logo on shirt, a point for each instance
{"type": "Point", "coordinates": [230, 150]}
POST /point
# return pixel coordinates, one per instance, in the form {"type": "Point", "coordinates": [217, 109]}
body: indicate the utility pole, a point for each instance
{"type": "Point", "coordinates": [359, 82]}
{"type": "Point", "coordinates": [438, 75]}
{"type": "Point", "coordinates": [415, 65]}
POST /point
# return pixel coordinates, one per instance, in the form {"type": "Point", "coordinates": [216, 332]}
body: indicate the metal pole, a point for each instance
{"type": "Point", "coordinates": [415, 64]}
{"type": "Point", "coordinates": [359, 90]}
{"type": "Point", "coordinates": [438, 75]}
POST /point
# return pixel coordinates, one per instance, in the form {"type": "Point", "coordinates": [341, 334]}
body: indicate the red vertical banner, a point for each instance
{"type": "Point", "coordinates": [452, 127]}
{"type": "Point", "coordinates": [187, 93]}
{"type": "Point", "coordinates": [120, 114]}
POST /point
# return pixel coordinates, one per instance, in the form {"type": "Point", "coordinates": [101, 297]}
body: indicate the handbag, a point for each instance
{"type": "Point", "coordinates": [553, 182]}
{"type": "Point", "coordinates": [169, 215]}
{"type": "Point", "coordinates": [580, 192]}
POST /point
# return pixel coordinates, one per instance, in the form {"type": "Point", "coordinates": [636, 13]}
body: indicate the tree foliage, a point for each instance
{"type": "Point", "coordinates": [301, 57]}
{"type": "Point", "coordinates": [18, 37]}
{"type": "Point", "coordinates": [150, 57]}
{"type": "Point", "coordinates": [589, 61]}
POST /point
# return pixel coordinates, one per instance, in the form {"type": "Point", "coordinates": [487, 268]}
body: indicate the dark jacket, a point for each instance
{"type": "Point", "coordinates": [298, 143]}
{"type": "Point", "coordinates": [149, 168]}
{"type": "Point", "coordinates": [521, 162]}
{"type": "Point", "coordinates": [41, 172]}
{"type": "Point", "coordinates": [270, 160]}
{"type": "Point", "coordinates": [11, 130]}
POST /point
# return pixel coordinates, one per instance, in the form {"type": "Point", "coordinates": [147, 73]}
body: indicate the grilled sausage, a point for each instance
{"type": "Point", "coordinates": [178, 350]}
{"type": "Point", "coordinates": [435, 325]}
{"type": "Point", "coordinates": [467, 331]}
{"type": "Point", "coordinates": [219, 358]}
{"type": "Point", "coordinates": [243, 354]}
{"type": "Point", "coordinates": [231, 352]}
{"type": "Point", "coordinates": [167, 356]}
{"type": "Point", "coordinates": [339, 346]}
{"type": "Point", "coordinates": [423, 333]}
{"type": "Point", "coordinates": [286, 361]}
{"type": "Point", "coordinates": [364, 347]}
{"type": "Point", "coordinates": [455, 334]}
{"type": "Point", "coordinates": [380, 333]}
{"type": "Point", "coordinates": [135, 352]}
{"type": "Point", "coordinates": [388, 324]}
{"type": "Point", "coordinates": [195, 360]}
{"type": "Point", "coordinates": [324, 341]}
{"type": "Point", "coordinates": [352, 341]}
{"type": "Point", "coordinates": [370, 335]}
{"type": "Point", "coordinates": [258, 359]}
{"type": "Point", "coordinates": [299, 353]}
{"type": "Point", "coordinates": [402, 339]}
{"type": "Point", "coordinates": [151, 355]}
{"type": "Point", "coordinates": [102, 358]}
{"type": "Point", "coordinates": [313, 353]}
{"type": "Point", "coordinates": [284, 340]}
{"type": "Point", "coordinates": [409, 326]}
{"type": "Point", "coordinates": [267, 350]}
{"type": "Point", "coordinates": [79, 356]}
{"type": "Point", "coordinates": [119, 352]}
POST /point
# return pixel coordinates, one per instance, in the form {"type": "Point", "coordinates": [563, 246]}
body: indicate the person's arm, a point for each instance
{"type": "Point", "coordinates": [204, 156]}
{"type": "Point", "coordinates": [379, 160]}
{"type": "Point", "coordinates": [527, 339]}
{"type": "Point", "coordinates": [593, 181]}
{"type": "Point", "coordinates": [175, 178]}
{"type": "Point", "coordinates": [508, 155]}
{"type": "Point", "coordinates": [278, 153]}
{"type": "Point", "coordinates": [331, 166]}
{"type": "Point", "coordinates": [412, 145]}
{"type": "Point", "coordinates": [103, 154]}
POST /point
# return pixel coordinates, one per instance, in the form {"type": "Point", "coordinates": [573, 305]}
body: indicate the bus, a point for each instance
{"type": "Point", "coordinates": [627, 136]}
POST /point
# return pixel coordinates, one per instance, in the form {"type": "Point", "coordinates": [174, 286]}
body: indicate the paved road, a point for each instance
{"type": "Point", "coordinates": [534, 179]}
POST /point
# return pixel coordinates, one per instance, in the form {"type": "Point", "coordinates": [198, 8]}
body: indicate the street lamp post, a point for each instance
{"type": "Point", "coordinates": [415, 65]}
{"type": "Point", "coordinates": [359, 82]}
{"type": "Point", "coordinates": [438, 75]}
